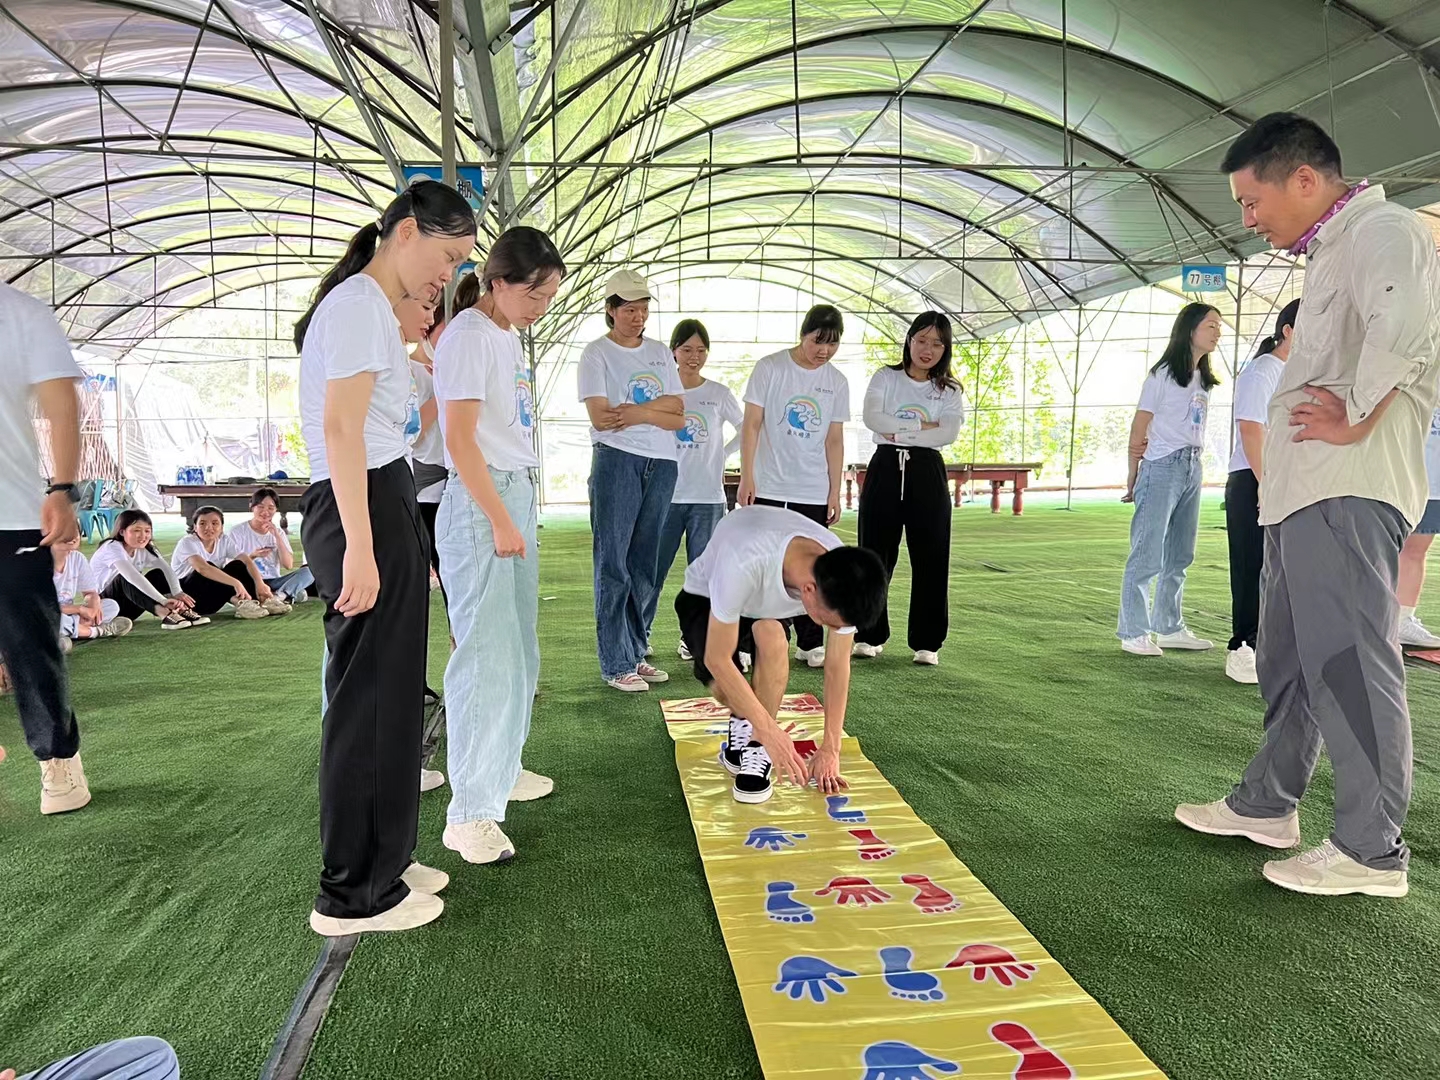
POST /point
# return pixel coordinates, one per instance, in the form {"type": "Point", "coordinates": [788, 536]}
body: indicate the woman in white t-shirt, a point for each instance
{"type": "Point", "coordinates": [216, 571]}
{"type": "Point", "coordinates": [915, 408]}
{"type": "Point", "coordinates": [1167, 441]}
{"type": "Point", "coordinates": [266, 543]}
{"type": "Point", "coordinates": [486, 532]}
{"type": "Point", "coordinates": [83, 614]}
{"type": "Point", "coordinates": [1417, 546]}
{"type": "Point", "coordinates": [633, 395]}
{"type": "Point", "coordinates": [131, 572]}
{"type": "Point", "coordinates": [698, 503]}
{"type": "Point", "coordinates": [366, 546]}
{"type": "Point", "coordinates": [792, 450]}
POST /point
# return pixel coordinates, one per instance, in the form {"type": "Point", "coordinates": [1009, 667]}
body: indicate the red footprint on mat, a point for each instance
{"type": "Point", "coordinates": [1036, 1061]}
{"type": "Point", "coordinates": [991, 960]}
{"type": "Point", "coordinates": [872, 848]}
{"type": "Point", "coordinates": [930, 898]}
{"type": "Point", "coordinates": [854, 890]}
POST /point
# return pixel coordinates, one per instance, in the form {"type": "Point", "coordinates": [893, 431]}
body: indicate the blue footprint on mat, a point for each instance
{"type": "Point", "coordinates": [904, 983]}
{"type": "Point", "coordinates": [769, 838]}
{"type": "Point", "coordinates": [781, 906]}
{"type": "Point", "coordinates": [835, 807]}
{"type": "Point", "coordinates": [802, 974]}
{"type": "Point", "coordinates": [901, 1061]}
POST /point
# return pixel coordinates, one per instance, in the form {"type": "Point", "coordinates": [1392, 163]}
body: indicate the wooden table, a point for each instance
{"type": "Point", "coordinates": [228, 497]}
{"type": "Point", "coordinates": [996, 474]}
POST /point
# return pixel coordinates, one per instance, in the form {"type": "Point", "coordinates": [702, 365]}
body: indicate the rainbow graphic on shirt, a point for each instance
{"type": "Point", "coordinates": [644, 386]}
{"type": "Point", "coordinates": [696, 431]}
{"type": "Point", "coordinates": [914, 412]}
{"type": "Point", "coordinates": [803, 416]}
{"type": "Point", "coordinates": [524, 399]}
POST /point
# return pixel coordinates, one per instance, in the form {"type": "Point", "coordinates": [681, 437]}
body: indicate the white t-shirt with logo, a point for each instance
{"type": "Point", "coordinates": [800, 405]}
{"type": "Point", "coordinates": [1254, 387]}
{"type": "Point", "coordinates": [110, 560]}
{"type": "Point", "coordinates": [630, 376]}
{"type": "Point", "coordinates": [1179, 413]}
{"type": "Point", "coordinates": [354, 330]}
{"type": "Point", "coordinates": [245, 540]}
{"type": "Point", "coordinates": [700, 446]}
{"type": "Point", "coordinates": [894, 394]}
{"type": "Point", "coordinates": [477, 361]}
{"type": "Point", "coordinates": [190, 544]}
{"type": "Point", "coordinates": [427, 448]}
{"type": "Point", "coordinates": [1432, 454]}
{"type": "Point", "coordinates": [74, 580]}
{"type": "Point", "coordinates": [741, 568]}
{"type": "Point", "coordinates": [34, 351]}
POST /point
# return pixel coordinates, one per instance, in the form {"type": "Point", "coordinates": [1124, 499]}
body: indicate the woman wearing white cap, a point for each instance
{"type": "Point", "coordinates": [632, 392]}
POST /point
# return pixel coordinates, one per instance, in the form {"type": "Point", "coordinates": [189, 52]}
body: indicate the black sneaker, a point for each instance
{"type": "Point", "coordinates": [734, 745]}
{"type": "Point", "coordinates": [752, 782]}
{"type": "Point", "coordinates": [175, 621]}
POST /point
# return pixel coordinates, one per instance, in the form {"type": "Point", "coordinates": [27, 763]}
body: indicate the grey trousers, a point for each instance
{"type": "Point", "coordinates": [140, 1058]}
{"type": "Point", "coordinates": [1331, 671]}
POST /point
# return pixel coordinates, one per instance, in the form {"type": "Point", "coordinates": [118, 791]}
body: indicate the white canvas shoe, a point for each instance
{"type": "Point", "coordinates": [1240, 665]}
{"type": "Point", "coordinates": [63, 786]}
{"type": "Point", "coordinates": [531, 786]}
{"type": "Point", "coordinates": [478, 841]}
{"type": "Point", "coordinates": [927, 656]}
{"type": "Point", "coordinates": [430, 779]}
{"type": "Point", "coordinates": [1217, 819]}
{"type": "Point", "coordinates": [860, 648]}
{"type": "Point", "coordinates": [630, 682]}
{"type": "Point", "coordinates": [814, 657]}
{"type": "Point", "coordinates": [651, 674]}
{"type": "Point", "coordinates": [1414, 634]}
{"type": "Point", "coordinates": [1141, 646]}
{"type": "Point", "coordinates": [1183, 639]}
{"type": "Point", "coordinates": [416, 909]}
{"type": "Point", "coordinates": [684, 653]}
{"type": "Point", "coordinates": [1328, 871]}
{"type": "Point", "coordinates": [425, 879]}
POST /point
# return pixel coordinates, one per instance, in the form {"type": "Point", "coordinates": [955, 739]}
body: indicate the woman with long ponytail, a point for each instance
{"type": "Point", "coordinates": [367, 547]}
{"type": "Point", "coordinates": [485, 530]}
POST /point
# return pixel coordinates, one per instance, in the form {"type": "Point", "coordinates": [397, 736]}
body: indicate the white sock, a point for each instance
{"type": "Point", "coordinates": [1407, 613]}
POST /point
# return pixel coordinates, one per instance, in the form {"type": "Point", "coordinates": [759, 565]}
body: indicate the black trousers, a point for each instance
{"type": "Point", "coordinates": [917, 501]}
{"type": "Point", "coordinates": [370, 735]}
{"type": "Point", "coordinates": [808, 634]}
{"type": "Point", "coordinates": [133, 602]}
{"type": "Point", "coordinates": [694, 615]}
{"type": "Point", "coordinates": [211, 595]}
{"type": "Point", "coordinates": [30, 646]}
{"type": "Point", "coordinates": [1247, 555]}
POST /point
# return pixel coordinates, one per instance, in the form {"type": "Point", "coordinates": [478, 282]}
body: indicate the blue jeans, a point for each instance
{"type": "Point", "coordinates": [1162, 543]}
{"type": "Point", "coordinates": [696, 522]}
{"type": "Point", "coordinates": [491, 676]}
{"type": "Point", "coordinates": [142, 1057]}
{"type": "Point", "coordinates": [629, 498]}
{"type": "Point", "coordinates": [293, 583]}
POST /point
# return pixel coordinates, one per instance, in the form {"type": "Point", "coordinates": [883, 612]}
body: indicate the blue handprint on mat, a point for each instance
{"type": "Point", "coordinates": [904, 983]}
{"type": "Point", "coordinates": [802, 974]}
{"type": "Point", "coordinates": [769, 838]}
{"type": "Point", "coordinates": [835, 807]}
{"type": "Point", "coordinates": [782, 906]}
{"type": "Point", "coordinates": [901, 1061]}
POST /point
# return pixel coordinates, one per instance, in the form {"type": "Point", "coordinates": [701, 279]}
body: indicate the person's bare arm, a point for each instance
{"type": "Point", "coordinates": [603, 415]}
{"type": "Point", "coordinates": [666, 412]}
{"type": "Point", "coordinates": [283, 555]}
{"type": "Point", "coordinates": [721, 641]}
{"type": "Point", "coordinates": [429, 416]}
{"type": "Point", "coordinates": [825, 765]}
{"type": "Point", "coordinates": [1252, 439]}
{"type": "Point", "coordinates": [1139, 437]}
{"type": "Point", "coordinates": [346, 403]}
{"type": "Point", "coordinates": [1326, 419]}
{"type": "Point", "coordinates": [262, 591]}
{"type": "Point", "coordinates": [461, 417]}
{"type": "Point", "coordinates": [749, 444]}
{"type": "Point", "coordinates": [59, 404]}
{"type": "Point", "coordinates": [835, 463]}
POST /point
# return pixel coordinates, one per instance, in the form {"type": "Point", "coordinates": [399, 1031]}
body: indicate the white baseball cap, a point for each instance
{"type": "Point", "coordinates": [628, 285]}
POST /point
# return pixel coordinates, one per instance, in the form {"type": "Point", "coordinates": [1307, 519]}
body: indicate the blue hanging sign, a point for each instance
{"type": "Point", "coordinates": [469, 180]}
{"type": "Point", "coordinates": [1203, 278]}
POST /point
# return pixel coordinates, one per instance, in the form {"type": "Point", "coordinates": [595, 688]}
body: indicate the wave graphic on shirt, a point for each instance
{"type": "Point", "coordinates": [695, 431]}
{"type": "Point", "coordinates": [803, 414]}
{"type": "Point", "coordinates": [914, 412]}
{"type": "Point", "coordinates": [644, 387]}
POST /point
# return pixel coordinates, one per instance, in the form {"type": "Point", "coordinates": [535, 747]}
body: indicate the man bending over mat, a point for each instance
{"type": "Point", "coordinates": [765, 564]}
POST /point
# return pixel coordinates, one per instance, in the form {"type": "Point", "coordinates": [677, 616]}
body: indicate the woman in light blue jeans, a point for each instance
{"type": "Point", "coordinates": [485, 533]}
{"type": "Point", "coordinates": [1167, 442]}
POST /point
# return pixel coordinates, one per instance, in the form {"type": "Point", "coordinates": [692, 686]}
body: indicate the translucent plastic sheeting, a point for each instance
{"type": "Point", "coordinates": [863, 948]}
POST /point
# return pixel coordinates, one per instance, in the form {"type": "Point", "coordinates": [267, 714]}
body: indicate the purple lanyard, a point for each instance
{"type": "Point", "coordinates": [1298, 248]}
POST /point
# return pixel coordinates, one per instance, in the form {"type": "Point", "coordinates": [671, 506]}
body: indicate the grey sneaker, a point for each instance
{"type": "Point", "coordinates": [116, 627]}
{"type": "Point", "coordinates": [1328, 871]}
{"type": "Point", "coordinates": [1217, 819]}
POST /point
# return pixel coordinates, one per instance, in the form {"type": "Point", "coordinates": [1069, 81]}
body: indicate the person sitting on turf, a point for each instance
{"type": "Point", "coordinates": [140, 1057]}
{"type": "Point", "coordinates": [83, 615]}
{"type": "Point", "coordinates": [765, 564]}
{"type": "Point", "coordinates": [266, 543]}
{"type": "Point", "coordinates": [131, 572]}
{"type": "Point", "coordinates": [212, 568]}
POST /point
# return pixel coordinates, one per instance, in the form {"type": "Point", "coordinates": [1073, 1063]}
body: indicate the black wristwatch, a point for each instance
{"type": "Point", "coordinates": [71, 491]}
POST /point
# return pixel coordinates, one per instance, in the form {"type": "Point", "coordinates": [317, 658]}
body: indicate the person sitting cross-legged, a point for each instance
{"type": "Point", "coordinates": [214, 569]}
{"type": "Point", "coordinates": [83, 615]}
{"type": "Point", "coordinates": [765, 564]}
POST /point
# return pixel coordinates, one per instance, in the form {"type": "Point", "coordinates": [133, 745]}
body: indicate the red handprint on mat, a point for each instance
{"type": "Point", "coordinates": [994, 961]}
{"type": "Point", "coordinates": [872, 848]}
{"type": "Point", "coordinates": [930, 898]}
{"type": "Point", "coordinates": [806, 748]}
{"type": "Point", "coordinates": [854, 890]}
{"type": "Point", "coordinates": [1037, 1062]}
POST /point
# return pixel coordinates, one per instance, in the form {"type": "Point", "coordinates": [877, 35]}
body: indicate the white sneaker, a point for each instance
{"type": "Point", "coordinates": [63, 786]}
{"type": "Point", "coordinates": [926, 656]}
{"type": "Point", "coordinates": [1240, 665]}
{"type": "Point", "coordinates": [116, 627]}
{"type": "Point", "coordinates": [275, 605]}
{"type": "Point", "coordinates": [650, 673]}
{"type": "Point", "coordinates": [1414, 634]}
{"type": "Point", "coordinates": [1141, 646]}
{"type": "Point", "coordinates": [814, 657]}
{"type": "Point", "coordinates": [531, 786]}
{"type": "Point", "coordinates": [860, 648]}
{"type": "Point", "coordinates": [425, 879]}
{"type": "Point", "coordinates": [1328, 871]}
{"type": "Point", "coordinates": [1183, 639]}
{"type": "Point", "coordinates": [1217, 819]}
{"type": "Point", "coordinates": [630, 683]}
{"type": "Point", "coordinates": [478, 841]}
{"type": "Point", "coordinates": [416, 909]}
{"type": "Point", "coordinates": [684, 653]}
{"type": "Point", "coordinates": [649, 649]}
{"type": "Point", "coordinates": [745, 662]}
{"type": "Point", "coordinates": [251, 609]}
{"type": "Point", "coordinates": [430, 779]}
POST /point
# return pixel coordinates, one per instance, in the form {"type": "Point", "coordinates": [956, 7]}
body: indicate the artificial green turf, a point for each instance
{"type": "Point", "coordinates": [1050, 762]}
